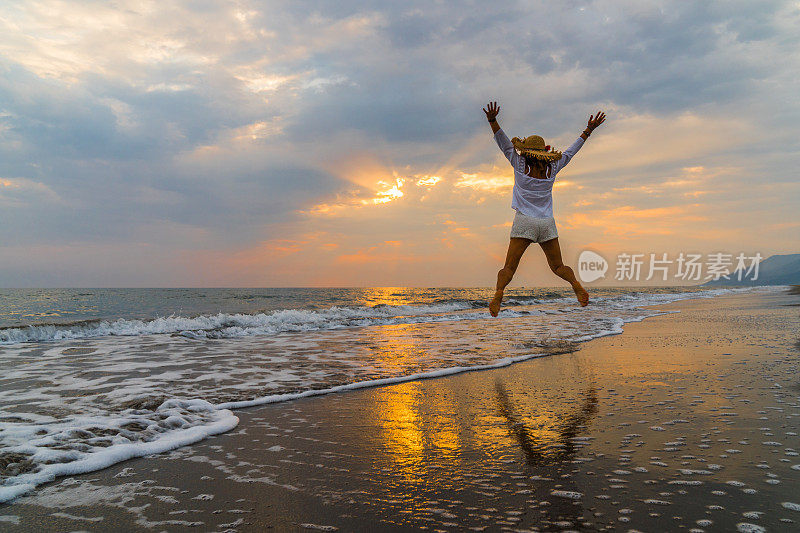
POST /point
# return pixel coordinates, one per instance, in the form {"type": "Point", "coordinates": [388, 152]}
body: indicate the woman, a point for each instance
{"type": "Point", "coordinates": [535, 168]}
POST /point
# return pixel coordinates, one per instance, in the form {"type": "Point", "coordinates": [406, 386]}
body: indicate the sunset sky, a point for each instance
{"type": "Point", "coordinates": [338, 143]}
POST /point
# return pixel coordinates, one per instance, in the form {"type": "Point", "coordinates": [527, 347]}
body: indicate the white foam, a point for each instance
{"type": "Point", "coordinates": [657, 502]}
{"type": "Point", "coordinates": [569, 494]}
{"type": "Point", "coordinates": [225, 325]}
{"type": "Point", "coordinates": [181, 422]}
{"type": "Point", "coordinates": [744, 527]}
{"type": "Point", "coordinates": [318, 527]}
{"type": "Point", "coordinates": [221, 420]}
{"type": "Point", "coordinates": [275, 398]}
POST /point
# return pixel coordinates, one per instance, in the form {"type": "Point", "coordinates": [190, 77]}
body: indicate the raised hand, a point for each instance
{"type": "Point", "coordinates": [596, 120]}
{"type": "Point", "coordinates": [491, 111]}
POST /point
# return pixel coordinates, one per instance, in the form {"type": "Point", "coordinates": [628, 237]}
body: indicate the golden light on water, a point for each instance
{"type": "Point", "coordinates": [422, 427]}
{"type": "Point", "coordinates": [373, 296]}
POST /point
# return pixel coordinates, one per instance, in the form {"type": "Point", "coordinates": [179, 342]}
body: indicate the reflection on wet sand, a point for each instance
{"type": "Point", "coordinates": [549, 445]}
{"type": "Point", "coordinates": [438, 444]}
{"type": "Point", "coordinates": [403, 435]}
{"type": "Point", "coordinates": [552, 442]}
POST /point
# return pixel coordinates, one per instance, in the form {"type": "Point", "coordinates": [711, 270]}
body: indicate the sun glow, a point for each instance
{"type": "Point", "coordinates": [428, 181]}
{"type": "Point", "coordinates": [387, 195]}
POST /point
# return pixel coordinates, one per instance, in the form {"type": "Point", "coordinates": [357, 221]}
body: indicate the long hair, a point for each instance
{"type": "Point", "coordinates": [539, 166]}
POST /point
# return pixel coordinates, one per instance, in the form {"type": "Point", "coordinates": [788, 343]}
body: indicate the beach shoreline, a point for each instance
{"type": "Point", "coordinates": [508, 447]}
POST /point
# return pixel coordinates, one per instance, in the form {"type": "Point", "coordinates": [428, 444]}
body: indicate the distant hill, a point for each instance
{"type": "Point", "coordinates": [775, 270]}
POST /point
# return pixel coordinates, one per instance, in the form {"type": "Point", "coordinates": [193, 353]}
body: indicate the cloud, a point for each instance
{"type": "Point", "coordinates": [21, 193]}
{"type": "Point", "coordinates": [493, 181]}
{"type": "Point", "coordinates": [199, 130]}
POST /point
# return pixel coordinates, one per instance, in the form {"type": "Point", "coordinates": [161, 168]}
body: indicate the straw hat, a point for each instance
{"type": "Point", "coordinates": [534, 147]}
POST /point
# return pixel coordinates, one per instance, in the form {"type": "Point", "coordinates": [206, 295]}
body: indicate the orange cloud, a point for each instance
{"type": "Point", "coordinates": [629, 221]}
{"type": "Point", "coordinates": [344, 203]}
{"type": "Point", "coordinates": [642, 140]}
{"type": "Point", "coordinates": [486, 181]}
{"type": "Point", "coordinates": [387, 195]}
{"type": "Point", "coordinates": [563, 184]}
{"type": "Point", "coordinates": [428, 181]}
{"type": "Point", "coordinates": [363, 169]}
{"type": "Point", "coordinates": [370, 256]}
{"type": "Point", "coordinates": [632, 212]}
{"type": "Point", "coordinates": [379, 254]}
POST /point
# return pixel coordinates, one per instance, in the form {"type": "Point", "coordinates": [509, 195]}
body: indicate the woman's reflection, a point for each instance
{"type": "Point", "coordinates": [552, 450]}
{"type": "Point", "coordinates": [547, 451]}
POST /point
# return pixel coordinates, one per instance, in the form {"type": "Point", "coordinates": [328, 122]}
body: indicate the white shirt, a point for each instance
{"type": "Point", "coordinates": [533, 196]}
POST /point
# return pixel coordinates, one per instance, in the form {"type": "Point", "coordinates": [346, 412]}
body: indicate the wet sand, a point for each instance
{"type": "Point", "coordinates": [686, 421]}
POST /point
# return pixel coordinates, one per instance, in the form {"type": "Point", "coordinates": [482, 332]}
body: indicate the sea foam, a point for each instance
{"type": "Point", "coordinates": [101, 392]}
{"type": "Point", "coordinates": [227, 325]}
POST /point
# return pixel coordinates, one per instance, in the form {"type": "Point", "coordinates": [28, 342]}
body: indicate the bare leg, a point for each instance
{"type": "Point", "coordinates": [552, 250]}
{"type": "Point", "coordinates": [516, 247]}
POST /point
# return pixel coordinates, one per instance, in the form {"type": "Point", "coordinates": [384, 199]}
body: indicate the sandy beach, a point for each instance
{"type": "Point", "coordinates": [686, 421]}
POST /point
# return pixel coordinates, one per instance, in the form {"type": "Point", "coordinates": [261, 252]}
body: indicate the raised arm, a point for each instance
{"type": "Point", "coordinates": [500, 136]}
{"type": "Point", "coordinates": [492, 111]}
{"type": "Point", "coordinates": [569, 153]}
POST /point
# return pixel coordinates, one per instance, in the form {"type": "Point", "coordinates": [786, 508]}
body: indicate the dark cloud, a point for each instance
{"type": "Point", "coordinates": [406, 106]}
{"type": "Point", "coordinates": [112, 203]}
{"type": "Point", "coordinates": [108, 150]}
{"type": "Point", "coordinates": [416, 80]}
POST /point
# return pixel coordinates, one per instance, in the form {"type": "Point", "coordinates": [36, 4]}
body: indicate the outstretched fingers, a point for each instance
{"type": "Point", "coordinates": [600, 117]}
{"type": "Point", "coordinates": [596, 120]}
{"type": "Point", "coordinates": [491, 110]}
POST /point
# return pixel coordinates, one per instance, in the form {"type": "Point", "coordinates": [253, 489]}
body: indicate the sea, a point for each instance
{"type": "Point", "coordinates": [92, 377]}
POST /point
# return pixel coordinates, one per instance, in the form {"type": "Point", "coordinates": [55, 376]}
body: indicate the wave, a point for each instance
{"type": "Point", "coordinates": [38, 449]}
{"type": "Point", "coordinates": [88, 444]}
{"type": "Point", "coordinates": [226, 325]}
{"type": "Point", "coordinates": [232, 325]}
{"type": "Point", "coordinates": [79, 445]}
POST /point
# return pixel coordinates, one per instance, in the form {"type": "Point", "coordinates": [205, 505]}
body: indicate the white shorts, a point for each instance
{"type": "Point", "coordinates": [535, 229]}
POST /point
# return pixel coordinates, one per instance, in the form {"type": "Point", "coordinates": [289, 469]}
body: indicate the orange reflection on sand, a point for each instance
{"type": "Point", "coordinates": [413, 438]}
{"type": "Point", "coordinates": [425, 433]}
{"type": "Point", "coordinates": [545, 439]}
{"type": "Point", "coordinates": [401, 431]}
{"type": "Point", "coordinates": [416, 440]}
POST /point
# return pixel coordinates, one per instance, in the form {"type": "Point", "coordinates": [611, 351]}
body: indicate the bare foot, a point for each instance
{"type": "Point", "coordinates": [583, 296]}
{"type": "Point", "coordinates": [494, 305]}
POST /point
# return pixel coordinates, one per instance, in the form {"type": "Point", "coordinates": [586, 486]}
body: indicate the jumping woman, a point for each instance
{"type": "Point", "coordinates": [535, 167]}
